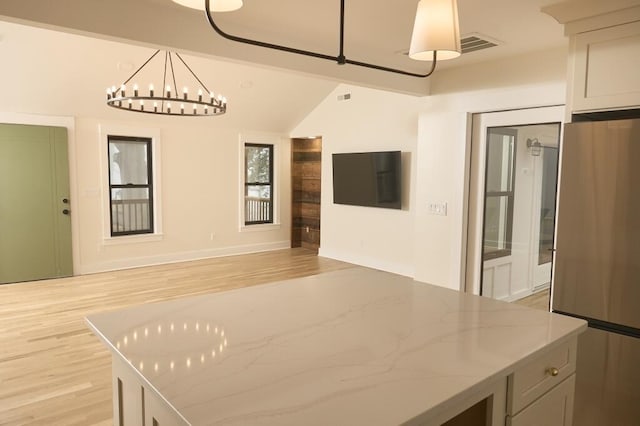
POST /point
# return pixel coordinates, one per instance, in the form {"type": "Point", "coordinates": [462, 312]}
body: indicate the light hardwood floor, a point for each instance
{"type": "Point", "coordinates": [540, 300]}
{"type": "Point", "coordinates": [53, 371]}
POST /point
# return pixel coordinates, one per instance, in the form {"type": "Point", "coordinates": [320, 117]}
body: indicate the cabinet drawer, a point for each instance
{"type": "Point", "coordinates": [555, 408]}
{"type": "Point", "coordinates": [541, 374]}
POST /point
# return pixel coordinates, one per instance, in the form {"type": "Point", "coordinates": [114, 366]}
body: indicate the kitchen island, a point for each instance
{"type": "Point", "coordinates": [355, 346]}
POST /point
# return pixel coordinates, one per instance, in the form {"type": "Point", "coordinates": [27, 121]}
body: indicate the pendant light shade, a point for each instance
{"type": "Point", "coordinates": [216, 5]}
{"type": "Point", "coordinates": [435, 30]}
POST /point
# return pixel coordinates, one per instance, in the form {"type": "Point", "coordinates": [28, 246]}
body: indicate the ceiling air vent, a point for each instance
{"type": "Point", "coordinates": [468, 43]}
{"type": "Point", "coordinates": [473, 42]}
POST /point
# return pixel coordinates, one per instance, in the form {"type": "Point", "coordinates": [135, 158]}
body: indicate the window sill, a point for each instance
{"type": "Point", "coordinates": [132, 239]}
{"type": "Point", "coordinates": [260, 227]}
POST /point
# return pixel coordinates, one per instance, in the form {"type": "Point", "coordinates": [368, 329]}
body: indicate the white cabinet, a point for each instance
{"type": "Point", "coordinates": [135, 403]}
{"type": "Point", "coordinates": [541, 392]}
{"type": "Point", "coordinates": [604, 66]}
{"type": "Point", "coordinates": [553, 408]}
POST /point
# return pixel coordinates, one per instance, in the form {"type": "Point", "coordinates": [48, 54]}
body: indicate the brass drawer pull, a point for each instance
{"type": "Point", "coordinates": [552, 371]}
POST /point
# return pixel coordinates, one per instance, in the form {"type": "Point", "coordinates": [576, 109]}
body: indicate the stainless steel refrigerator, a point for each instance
{"type": "Point", "coordinates": [597, 266]}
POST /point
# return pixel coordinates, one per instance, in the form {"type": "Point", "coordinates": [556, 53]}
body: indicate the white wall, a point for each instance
{"type": "Point", "coordinates": [436, 130]}
{"type": "Point", "coordinates": [443, 156]}
{"type": "Point", "coordinates": [371, 120]}
{"type": "Point", "coordinates": [200, 157]}
{"type": "Point", "coordinates": [200, 192]}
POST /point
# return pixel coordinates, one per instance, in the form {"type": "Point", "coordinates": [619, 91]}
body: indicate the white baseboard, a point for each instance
{"type": "Point", "coordinates": [382, 265]}
{"type": "Point", "coordinates": [114, 265]}
{"type": "Point", "coordinates": [517, 296]}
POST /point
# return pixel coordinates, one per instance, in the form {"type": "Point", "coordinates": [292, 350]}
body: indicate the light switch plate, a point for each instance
{"type": "Point", "coordinates": [436, 208]}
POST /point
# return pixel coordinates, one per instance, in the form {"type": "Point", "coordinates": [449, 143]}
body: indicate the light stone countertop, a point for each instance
{"type": "Point", "coordinates": [356, 346]}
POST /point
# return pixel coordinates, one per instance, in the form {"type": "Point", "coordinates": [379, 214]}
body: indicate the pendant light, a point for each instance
{"type": "Point", "coordinates": [216, 5]}
{"type": "Point", "coordinates": [435, 31]}
{"type": "Point", "coordinates": [436, 35]}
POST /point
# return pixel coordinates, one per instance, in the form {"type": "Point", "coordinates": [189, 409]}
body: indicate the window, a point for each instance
{"type": "Point", "coordinates": [499, 191]}
{"type": "Point", "coordinates": [130, 185]}
{"type": "Point", "coordinates": [258, 183]}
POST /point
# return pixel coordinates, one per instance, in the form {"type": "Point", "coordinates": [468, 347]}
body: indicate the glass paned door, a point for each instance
{"type": "Point", "coordinates": [512, 203]}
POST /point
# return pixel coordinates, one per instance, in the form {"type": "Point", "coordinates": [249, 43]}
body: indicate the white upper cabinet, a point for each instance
{"type": "Point", "coordinates": [605, 66]}
{"type": "Point", "coordinates": [604, 55]}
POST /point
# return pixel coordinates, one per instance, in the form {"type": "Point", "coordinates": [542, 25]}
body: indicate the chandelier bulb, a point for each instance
{"type": "Point", "coordinates": [123, 89]}
{"type": "Point", "coordinates": [168, 91]}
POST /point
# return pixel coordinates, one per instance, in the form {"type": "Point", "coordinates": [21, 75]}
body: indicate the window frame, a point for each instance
{"type": "Point", "coordinates": [104, 130]}
{"type": "Point", "coordinates": [247, 184]}
{"type": "Point", "coordinates": [279, 187]}
{"type": "Point", "coordinates": [509, 194]}
{"type": "Point", "coordinates": [149, 186]}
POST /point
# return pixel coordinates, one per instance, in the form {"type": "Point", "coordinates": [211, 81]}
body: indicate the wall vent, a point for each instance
{"type": "Point", "coordinates": [344, 97]}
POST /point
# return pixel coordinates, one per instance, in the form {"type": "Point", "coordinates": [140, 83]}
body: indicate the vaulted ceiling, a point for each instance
{"type": "Point", "coordinates": [376, 31]}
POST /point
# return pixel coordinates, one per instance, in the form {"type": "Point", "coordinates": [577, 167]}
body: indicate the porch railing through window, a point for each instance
{"type": "Point", "coordinates": [130, 216]}
{"type": "Point", "coordinates": [257, 210]}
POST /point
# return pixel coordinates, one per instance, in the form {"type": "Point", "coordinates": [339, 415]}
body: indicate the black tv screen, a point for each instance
{"type": "Point", "coordinates": [371, 179]}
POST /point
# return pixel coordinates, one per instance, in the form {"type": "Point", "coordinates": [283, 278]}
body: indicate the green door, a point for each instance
{"type": "Point", "coordinates": [35, 222]}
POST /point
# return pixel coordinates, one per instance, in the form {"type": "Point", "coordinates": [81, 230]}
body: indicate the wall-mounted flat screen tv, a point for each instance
{"type": "Point", "coordinates": [372, 179]}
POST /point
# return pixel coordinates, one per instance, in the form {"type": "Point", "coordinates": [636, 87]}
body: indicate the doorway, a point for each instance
{"type": "Point", "coordinates": [512, 199]}
{"type": "Point", "coordinates": [35, 229]}
{"type": "Point", "coordinates": [306, 165]}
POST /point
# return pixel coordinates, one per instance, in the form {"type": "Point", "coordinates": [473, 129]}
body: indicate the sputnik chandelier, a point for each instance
{"type": "Point", "coordinates": [167, 100]}
{"type": "Point", "coordinates": [436, 34]}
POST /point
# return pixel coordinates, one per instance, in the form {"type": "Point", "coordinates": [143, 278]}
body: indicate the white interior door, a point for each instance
{"type": "Point", "coordinates": [508, 191]}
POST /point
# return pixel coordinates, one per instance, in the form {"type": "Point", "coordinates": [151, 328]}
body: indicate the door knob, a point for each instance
{"type": "Point", "coordinates": [66, 211]}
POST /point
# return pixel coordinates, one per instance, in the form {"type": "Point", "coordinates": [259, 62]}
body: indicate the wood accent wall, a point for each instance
{"type": "Point", "coordinates": [306, 161]}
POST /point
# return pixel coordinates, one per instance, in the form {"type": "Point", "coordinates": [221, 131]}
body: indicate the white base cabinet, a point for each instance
{"type": "Point", "coordinates": [538, 393]}
{"type": "Point", "coordinates": [541, 392]}
{"type": "Point", "coordinates": [553, 408]}
{"type": "Point", "coordinates": [135, 403]}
